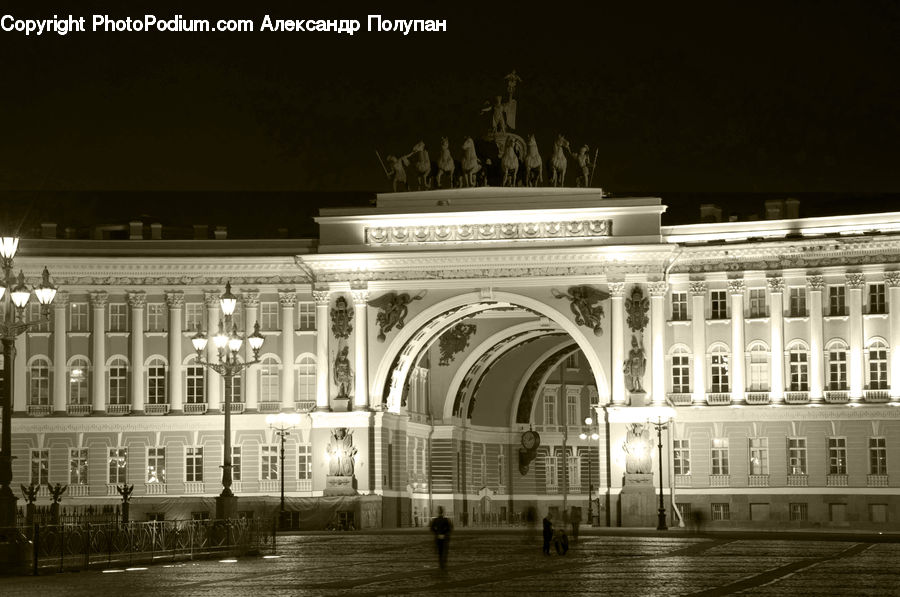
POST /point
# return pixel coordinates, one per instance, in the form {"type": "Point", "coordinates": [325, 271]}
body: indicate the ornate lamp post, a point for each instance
{"type": "Point", "coordinates": [228, 342]}
{"type": "Point", "coordinates": [13, 324]}
{"type": "Point", "coordinates": [661, 525]}
{"type": "Point", "coordinates": [594, 436]}
{"type": "Point", "coordinates": [282, 423]}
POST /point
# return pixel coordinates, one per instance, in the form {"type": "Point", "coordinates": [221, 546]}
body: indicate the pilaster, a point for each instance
{"type": "Point", "coordinates": [617, 338]}
{"type": "Point", "coordinates": [856, 366]}
{"type": "Point", "coordinates": [892, 281]}
{"type": "Point", "coordinates": [816, 346]}
{"type": "Point", "coordinates": [360, 296]}
{"type": "Point", "coordinates": [287, 298]}
{"type": "Point", "coordinates": [214, 392]}
{"type": "Point", "coordinates": [698, 339]}
{"type": "Point", "coordinates": [175, 304]}
{"type": "Point", "coordinates": [137, 301]}
{"type": "Point", "coordinates": [60, 305]}
{"type": "Point", "coordinates": [658, 292]}
{"type": "Point", "coordinates": [738, 385]}
{"type": "Point", "coordinates": [98, 350]}
{"type": "Point", "coordinates": [322, 296]}
{"type": "Point", "coordinates": [776, 350]}
{"type": "Point", "coordinates": [250, 300]}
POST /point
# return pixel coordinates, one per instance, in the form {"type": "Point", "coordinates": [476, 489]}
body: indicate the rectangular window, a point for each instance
{"type": "Point", "coordinates": [306, 316]}
{"type": "Point", "coordinates": [718, 304]}
{"type": "Point", "coordinates": [573, 412]}
{"type": "Point", "coordinates": [268, 316]}
{"type": "Point", "coordinates": [877, 456]}
{"type": "Point", "coordinates": [799, 371]}
{"type": "Point", "coordinates": [194, 376]}
{"type": "Point", "coordinates": [759, 456]}
{"type": "Point", "coordinates": [118, 382]}
{"type": "Point", "coordinates": [34, 314]}
{"type": "Point", "coordinates": [269, 463]}
{"type": "Point", "coordinates": [758, 302]}
{"type": "Point", "coordinates": [573, 472]}
{"type": "Point", "coordinates": [720, 456]}
{"type": "Point", "coordinates": [796, 455]}
{"type": "Point", "coordinates": [877, 302]}
{"type": "Point", "coordinates": [572, 361]}
{"type": "Point", "coordinates": [719, 373]}
{"type": "Point", "coordinates": [837, 300]}
{"type": "Point", "coordinates": [837, 369]}
{"type": "Point", "coordinates": [193, 317]}
{"type": "Point", "coordinates": [549, 409]}
{"type": "Point", "coordinates": [551, 471]}
{"type": "Point", "coordinates": [156, 317]}
{"type": "Point", "coordinates": [78, 466]}
{"type": "Point", "coordinates": [78, 317]}
{"type": "Point", "coordinates": [681, 374]}
{"type": "Point", "coordinates": [304, 464]}
{"type": "Point", "coordinates": [156, 464]}
{"type": "Point", "coordinates": [40, 466]}
{"type": "Point", "coordinates": [118, 317]}
{"type": "Point", "coordinates": [679, 306]}
{"type": "Point", "coordinates": [156, 382]}
{"type": "Point", "coordinates": [837, 456]}
{"type": "Point", "coordinates": [759, 370]}
{"type": "Point", "coordinates": [878, 366]}
{"type": "Point", "coordinates": [797, 302]}
{"type": "Point", "coordinates": [721, 512]}
{"type": "Point", "coordinates": [118, 466]}
{"type": "Point", "coordinates": [798, 512]}
{"type": "Point", "coordinates": [193, 464]}
{"type": "Point", "coordinates": [682, 456]}
{"type": "Point", "coordinates": [235, 463]}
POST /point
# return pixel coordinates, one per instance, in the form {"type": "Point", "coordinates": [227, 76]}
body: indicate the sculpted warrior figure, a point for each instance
{"type": "Point", "coordinates": [498, 115]}
{"type": "Point", "coordinates": [343, 375]}
{"type": "Point", "coordinates": [635, 366]}
{"type": "Point", "coordinates": [341, 452]}
{"type": "Point", "coordinates": [637, 449]}
{"type": "Point", "coordinates": [585, 164]}
{"type": "Point", "coordinates": [397, 172]}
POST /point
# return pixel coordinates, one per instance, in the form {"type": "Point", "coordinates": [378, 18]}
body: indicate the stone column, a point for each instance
{"type": "Point", "coordinates": [322, 298]}
{"type": "Point", "coordinates": [776, 359]}
{"type": "Point", "coordinates": [20, 379]}
{"type": "Point", "coordinates": [288, 299]}
{"type": "Point", "coordinates": [60, 398]}
{"type": "Point", "coordinates": [816, 345]}
{"type": "Point", "coordinates": [738, 383]}
{"type": "Point", "coordinates": [251, 380]}
{"type": "Point", "coordinates": [617, 340]}
{"type": "Point", "coordinates": [175, 304]}
{"type": "Point", "coordinates": [657, 342]}
{"type": "Point", "coordinates": [892, 280]}
{"type": "Point", "coordinates": [698, 339]}
{"type": "Point", "coordinates": [137, 301]}
{"type": "Point", "coordinates": [361, 386]}
{"type": "Point", "coordinates": [98, 351]}
{"type": "Point", "coordinates": [214, 392]}
{"type": "Point", "coordinates": [857, 362]}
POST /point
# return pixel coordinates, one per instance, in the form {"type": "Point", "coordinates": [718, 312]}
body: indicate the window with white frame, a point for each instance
{"type": "Point", "coordinates": [235, 463]}
{"type": "Point", "coordinates": [573, 408]}
{"type": "Point", "coordinates": [572, 361]}
{"type": "Point", "coordinates": [118, 317]}
{"type": "Point", "coordinates": [798, 368]}
{"type": "Point", "coordinates": [268, 469]}
{"type": "Point", "coordinates": [796, 455]}
{"type": "Point", "coordinates": [718, 369]}
{"type": "Point", "coordinates": [306, 379]}
{"type": "Point", "coordinates": [549, 408]}
{"type": "Point", "coordinates": [193, 317]}
{"type": "Point", "coordinates": [877, 302]}
{"type": "Point", "coordinates": [758, 302]}
{"type": "Point", "coordinates": [679, 306]}
{"type": "Point", "coordinates": [306, 316]}
{"type": "Point", "coordinates": [718, 302]}
{"type": "Point", "coordinates": [236, 394]}
{"type": "Point", "coordinates": [682, 456]}
{"type": "Point", "coordinates": [156, 317]}
{"type": "Point", "coordinates": [837, 366]}
{"type": "Point", "coordinates": [40, 466]}
{"type": "Point", "coordinates": [550, 471]}
{"type": "Point", "coordinates": [78, 390]}
{"type": "Point", "coordinates": [117, 472]}
{"type": "Point", "coordinates": [78, 466]}
{"type": "Point", "coordinates": [195, 377]}
{"type": "Point", "coordinates": [681, 371]}
{"type": "Point", "coordinates": [78, 317]}
{"type": "Point", "coordinates": [39, 382]}
{"type": "Point", "coordinates": [268, 316]}
{"type": "Point", "coordinates": [797, 302]}
{"type": "Point", "coordinates": [117, 374]}
{"type": "Point", "coordinates": [837, 300]}
{"type": "Point", "coordinates": [268, 380]}
{"type": "Point", "coordinates": [759, 456]}
{"type": "Point", "coordinates": [304, 462]}
{"type": "Point", "coordinates": [156, 464]}
{"type": "Point", "coordinates": [574, 470]}
{"type": "Point", "coordinates": [720, 511]}
{"type": "Point", "coordinates": [877, 456]}
{"type": "Point", "coordinates": [719, 456]}
{"type": "Point", "coordinates": [193, 464]}
{"type": "Point", "coordinates": [758, 377]}
{"type": "Point", "coordinates": [837, 455]}
{"type": "Point", "coordinates": [876, 355]}
{"type": "Point", "coordinates": [478, 467]}
{"type": "Point", "coordinates": [156, 381]}
{"type": "Point", "coordinates": [34, 314]}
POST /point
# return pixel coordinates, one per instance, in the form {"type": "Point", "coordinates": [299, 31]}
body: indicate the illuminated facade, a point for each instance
{"type": "Point", "coordinates": [466, 318]}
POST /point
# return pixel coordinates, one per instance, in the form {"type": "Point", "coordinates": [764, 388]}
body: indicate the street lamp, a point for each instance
{"type": "Point", "coordinates": [228, 342]}
{"type": "Point", "coordinates": [12, 325]}
{"type": "Point", "coordinates": [661, 525]}
{"type": "Point", "coordinates": [282, 423]}
{"type": "Point", "coordinates": [594, 436]}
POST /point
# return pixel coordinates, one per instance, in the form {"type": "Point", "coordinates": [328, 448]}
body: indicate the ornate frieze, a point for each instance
{"type": "Point", "coordinates": [776, 284]}
{"type": "Point", "coordinates": [816, 282]}
{"type": "Point", "coordinates": [699, 287]}
{"type": "Point", "coordinates": [856, 281]}
{"type": "Point", "coordinates": [584, 301]}
{"type": "Point", "coordinates": [175, 299]}
{"type": "Point", "coordinates": [137, 300]}
{"type": "Point", "coordinates": [462, 233]}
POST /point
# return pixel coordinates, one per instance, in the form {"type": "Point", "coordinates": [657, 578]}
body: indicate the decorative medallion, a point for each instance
{"type": "Point", "coordinates": [637, 307]}
{"type": "Point", "coordinates": [341, 315]}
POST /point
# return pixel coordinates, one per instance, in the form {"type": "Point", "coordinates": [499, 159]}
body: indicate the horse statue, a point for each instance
{"type": "Point", "coordinates": [534, 165]}
{"type": "Point", "coordinates": [509, 163]}
{"type": "Point", "coordinates": [423, 166]}
{"type": "Point", "coordinates": [558, 162]}
{"type": "Point", "coordinates": [470, 164]}
{"type": "Point", "coordinates": [445, 164]}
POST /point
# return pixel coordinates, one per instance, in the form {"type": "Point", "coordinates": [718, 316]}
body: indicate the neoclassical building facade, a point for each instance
{"type": "Point", "coordinates": [460, 339]}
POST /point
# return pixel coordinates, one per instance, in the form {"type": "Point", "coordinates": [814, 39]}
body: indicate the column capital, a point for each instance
{"type": "Point", "coordinates": [137, 300]}
{"type": "Point", "coordinates": [98, 298]}
{"type": "Point", "coordinates": [211, 298]}
{"type": "Point", "coordinates": [322, 296]}
{"type": "Point", "coordinates": [287, 298]}
{"type": "Point", "coordinates": [175, 299]}
{"type": "Point", "coordinates": [658, 288]}
{"type": "Point", "coordinates": [736, 286]}
{"type": "Point", "coordinates": [776, 285]}
{"type": "Point", "coordinates": [698, 287]}
{"type": "Point", "coordinates": [816, 283]}
{"type": "Point", "coordinates": [616, 289]}
{"type": "Point", "coordinates": [892, 279]}
{"type": "Point", "coordinates": [856, 280]}
{"type": "Point", "coordinates": [250, 298]}
{"type": "Point", "coordinates": [61, 300]}
{"type": "Point", "coordinates": [360, 297]}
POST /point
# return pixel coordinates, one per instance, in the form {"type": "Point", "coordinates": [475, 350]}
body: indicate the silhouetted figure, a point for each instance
{"type": "Point", "coordinates": [575, 521]}
{"type": "Point", "coordinates": [548, 533]}
{"type": "Point", "coordinates": [441, 527]}
{"type": "Point", "coordinates": [697, 517]}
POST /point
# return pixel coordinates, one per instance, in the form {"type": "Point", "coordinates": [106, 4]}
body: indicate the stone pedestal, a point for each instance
{"type": "Point", "coordinates": [638, 501]}
{"type": "Point", "coordinates": [226, 507]}
{"type": "Point", "coordinates": [638, 398]}
{"type": "Point", "coordinates": [339, 485]}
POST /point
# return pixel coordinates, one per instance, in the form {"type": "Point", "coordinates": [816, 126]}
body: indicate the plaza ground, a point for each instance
{"type": "Point", "coordinates": [509, 562]}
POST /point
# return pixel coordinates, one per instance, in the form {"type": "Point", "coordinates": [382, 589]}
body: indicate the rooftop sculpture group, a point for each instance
{"type": "Point", "coordinates": [499, 157]}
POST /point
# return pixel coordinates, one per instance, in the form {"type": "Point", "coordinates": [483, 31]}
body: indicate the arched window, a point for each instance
{"type": "Point", "coordinates": [156, 381]}
{"type": "Point", "coordinates": [877, 357]}
{"type": "Point", "coordinates": [79, 393]}
{"type": "Point", "coordinates": [268, 380]}
{"type": "Point", "coordinates": [196, 387]}
{"type": "Point", "coordinates": [718, 369]}
{"type": "Point", "coordinates": [117, 374]}
{"type": "Point", "coordinates": [681, 370]}
{"type": "Point", "coordinates": [798, 367]}
{"type": "Point", "coordinates": [836, 353]}
{"type": "Point", "coordinates": [306, 381]}
{"type": "Point", "coordinates": [39, 382]}
{"type": "Point", "coordinates": [758, 358]}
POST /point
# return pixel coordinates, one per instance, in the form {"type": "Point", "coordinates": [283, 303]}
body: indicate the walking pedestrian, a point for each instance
{"type": "Point", "coordinates": [441, 527]}
{"type": "Point", "coordinates": [575, 520]}
{"type": "Point", "coordinates": [548, 533]}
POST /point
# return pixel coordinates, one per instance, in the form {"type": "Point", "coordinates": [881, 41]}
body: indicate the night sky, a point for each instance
{"type": "Point", "coordinates": [678, 97]}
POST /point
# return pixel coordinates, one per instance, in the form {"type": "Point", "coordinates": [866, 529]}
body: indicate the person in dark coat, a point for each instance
{"type": "Point", "coordinates": [441, 527]}
{"type": "Point", "coordinates": [548, 533]}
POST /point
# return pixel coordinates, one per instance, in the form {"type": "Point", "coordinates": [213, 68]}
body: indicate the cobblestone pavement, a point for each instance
{"type": "Point", "coordinates": [505, 563]}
